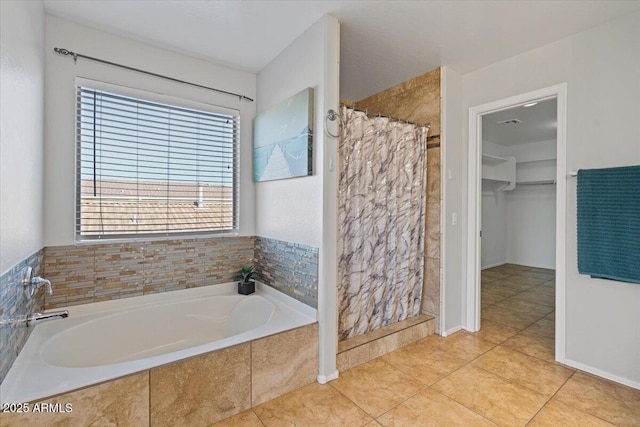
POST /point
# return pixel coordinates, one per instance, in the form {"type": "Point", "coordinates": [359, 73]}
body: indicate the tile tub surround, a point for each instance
{"type": "Point", "coordinates": [87, 273]}
{"type": "Point", "coordinates": [15, 304]}
{"type": "Point", "coordinates": [121, 402]}
{"type": "Point", "coordinates": [288, 267]}
{"type": "Point", "coordinates": [198, 391]}
{"type": "Point", "coordinates": [418, 100]}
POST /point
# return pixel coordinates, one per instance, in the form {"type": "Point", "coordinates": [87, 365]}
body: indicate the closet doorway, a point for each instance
{"type": "Point", "coordinates": [518, 210]}
{"type": "Point", "coordinates": [516, 219]}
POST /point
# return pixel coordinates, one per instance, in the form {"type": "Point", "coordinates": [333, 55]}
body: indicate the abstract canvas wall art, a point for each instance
{"type": "Point", "coordinates": [283, 139]}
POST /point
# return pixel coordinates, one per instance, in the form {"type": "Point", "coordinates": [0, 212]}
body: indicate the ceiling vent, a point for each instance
{"type": "Point", "coordinates": [510, 122]}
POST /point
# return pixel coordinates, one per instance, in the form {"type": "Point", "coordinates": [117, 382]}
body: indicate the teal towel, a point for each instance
{"type": "Point", "coordinates": [609, 223]}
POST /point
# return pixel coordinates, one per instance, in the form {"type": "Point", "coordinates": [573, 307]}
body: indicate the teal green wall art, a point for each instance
{"type": "Point", "coordinates": [283, 139]}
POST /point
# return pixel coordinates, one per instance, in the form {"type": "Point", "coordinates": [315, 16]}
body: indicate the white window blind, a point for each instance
{"type": "Point", "coordinates": [147, 169]}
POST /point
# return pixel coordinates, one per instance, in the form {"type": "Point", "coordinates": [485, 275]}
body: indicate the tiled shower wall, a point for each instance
{"type": "Point", "coordinates": [418, 100]}
{"type": "Point", "coordinates": [15, 304]}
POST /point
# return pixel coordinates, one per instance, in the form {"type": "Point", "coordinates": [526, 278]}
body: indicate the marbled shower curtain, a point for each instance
{"type": "Point", "coordinates": [381, 218]}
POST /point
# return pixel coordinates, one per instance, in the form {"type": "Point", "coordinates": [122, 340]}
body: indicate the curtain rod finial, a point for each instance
{"type": "Point", "coordinates": [66, 52]}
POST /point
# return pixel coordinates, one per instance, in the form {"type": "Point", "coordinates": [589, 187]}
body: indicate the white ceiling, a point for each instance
{"type": "Point", "coordinates": [539, 123]}
{"type": "Point", "coordinates": [383, 43]}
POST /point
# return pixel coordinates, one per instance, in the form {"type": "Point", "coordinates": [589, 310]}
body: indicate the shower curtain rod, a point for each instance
{"type": "Point", "coordinates": [367, 112]}
{"type": "Point", "coordinates": [66, 52]}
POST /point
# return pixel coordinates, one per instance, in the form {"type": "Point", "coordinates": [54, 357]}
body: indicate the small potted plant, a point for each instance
{"type": "Point", "coordinates": [246, 286]}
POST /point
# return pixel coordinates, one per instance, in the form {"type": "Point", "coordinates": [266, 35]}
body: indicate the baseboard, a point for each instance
{"type": "Point", "coordinates": [323, 379]}
{"type": "Point", "coordinates": [497, 264]}
{"type": "Point", "coordinates": [531, 265]}
{"type": "Point", "coordinates": [451, 330]}
{"type": "Point", "coordinates": [602, 374]}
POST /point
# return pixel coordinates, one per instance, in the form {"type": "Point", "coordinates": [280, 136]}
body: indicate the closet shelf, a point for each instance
{"type": "Point", "coordinates": [488, 159]}
{"type": "Point", "coordinates": [536, 160]}
{"type": "Point", "coordinates": [498, 173]}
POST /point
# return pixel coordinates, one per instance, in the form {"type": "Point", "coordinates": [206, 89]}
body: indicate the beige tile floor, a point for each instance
{"type": "Point", "coordinates": [504, 375]}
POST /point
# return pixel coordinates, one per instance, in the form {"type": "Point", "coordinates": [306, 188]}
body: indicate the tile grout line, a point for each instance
{"type": "Point", "coordinates": [372, 416]}
{"type": "Point", "coordinates": [258, 416]}
{"type": "Point", "coordinates": [499, 376]}
{"type": "Point", "coordinates": [493, 346]}
{"type": "Point", "coordinates": [456, 370]}
{"type": "Point", "coordinates": [510, 381]}
{"type": "Point", "coordinates": [598, 378]}
{"type": "Point", "coordinates": [549, 399]}
{"type": "Point", "coordinates": [518, 382]}
{"type": "Point", "coordinates": [350, 400]}
{"type": "Point", "coordinates": [433, 383]}
{"type": "Point", "coordinates": [451, 373]}
{"type": "Point", "coordinates": [511, 297]}
{"type": "Point", "coordinates": [536, 357]}
{"type": "Point", "coordinates": [470, 409]}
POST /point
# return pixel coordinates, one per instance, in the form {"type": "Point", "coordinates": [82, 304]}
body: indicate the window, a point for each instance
{"type": "Point", "coordinates": [146, 168]}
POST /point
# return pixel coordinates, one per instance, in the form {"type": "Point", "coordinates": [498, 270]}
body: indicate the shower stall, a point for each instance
{"type": "Point", "coordinates": [381, 220]}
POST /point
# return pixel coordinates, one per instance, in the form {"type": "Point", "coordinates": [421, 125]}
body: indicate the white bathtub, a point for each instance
{"type": "Point", "coordinates": [106, 340]}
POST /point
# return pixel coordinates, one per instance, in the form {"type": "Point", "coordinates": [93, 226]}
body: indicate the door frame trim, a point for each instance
{"type": "Point", "coordinates": [474, 184]}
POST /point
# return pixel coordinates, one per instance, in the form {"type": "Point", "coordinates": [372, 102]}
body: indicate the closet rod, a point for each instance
{"type": "Point", "coordinates": [550, 182]}
{"type": "Point", "coordinates": [75, 56]}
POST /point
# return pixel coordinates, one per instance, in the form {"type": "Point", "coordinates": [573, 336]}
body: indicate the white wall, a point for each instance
{"type": "Point", "coordinates": [518, 226]}
{"type": "Point", "coordinates": [494, 229]}
{"type": "Point", "coordinates": [291, 209]}
{"type": "Point", "coordinates": [533, 150]}
{"type": "Point", "coordinates": [531, 210]}
{"type": "Point", "coordinates": [530, 227]}
{"type": "Point", "coordinates": [602, 68]}
{"type": "Point", "coordinates": [453, 248]}
{"type": "Point", "coordinates": [59, 168]}
{"type": "Point", "coordinates": [303, 210]}
{"type": "Point", "coordinates": [21, 124]}
{"type": "Point", "coordinates": [494, 218]}
{"type": "Point", "coordinates": [493, 149]}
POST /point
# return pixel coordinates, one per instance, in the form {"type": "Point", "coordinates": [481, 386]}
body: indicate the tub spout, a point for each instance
{"type": "Point", "coordinates": [35, 318]}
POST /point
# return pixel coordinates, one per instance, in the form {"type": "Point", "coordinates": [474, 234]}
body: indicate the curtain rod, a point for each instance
{"type": "Point", "coordinates": [367, 112]}
{"type": "Point", "coordinates": [75, 56]}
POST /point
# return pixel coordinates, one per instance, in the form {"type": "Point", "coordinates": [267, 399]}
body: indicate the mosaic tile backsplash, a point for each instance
{"type": "Point", "coordinates": [15, 304]}
{"type": "Point", "coordinates": [84, 274]}
{"type": "Point", "coordinates": [91, 273]}
{"type": "Point", "coordinates": [290, 268]}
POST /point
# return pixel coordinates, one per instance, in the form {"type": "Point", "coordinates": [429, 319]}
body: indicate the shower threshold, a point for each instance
{"type": "Point", "coordinates": [362, 348]}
